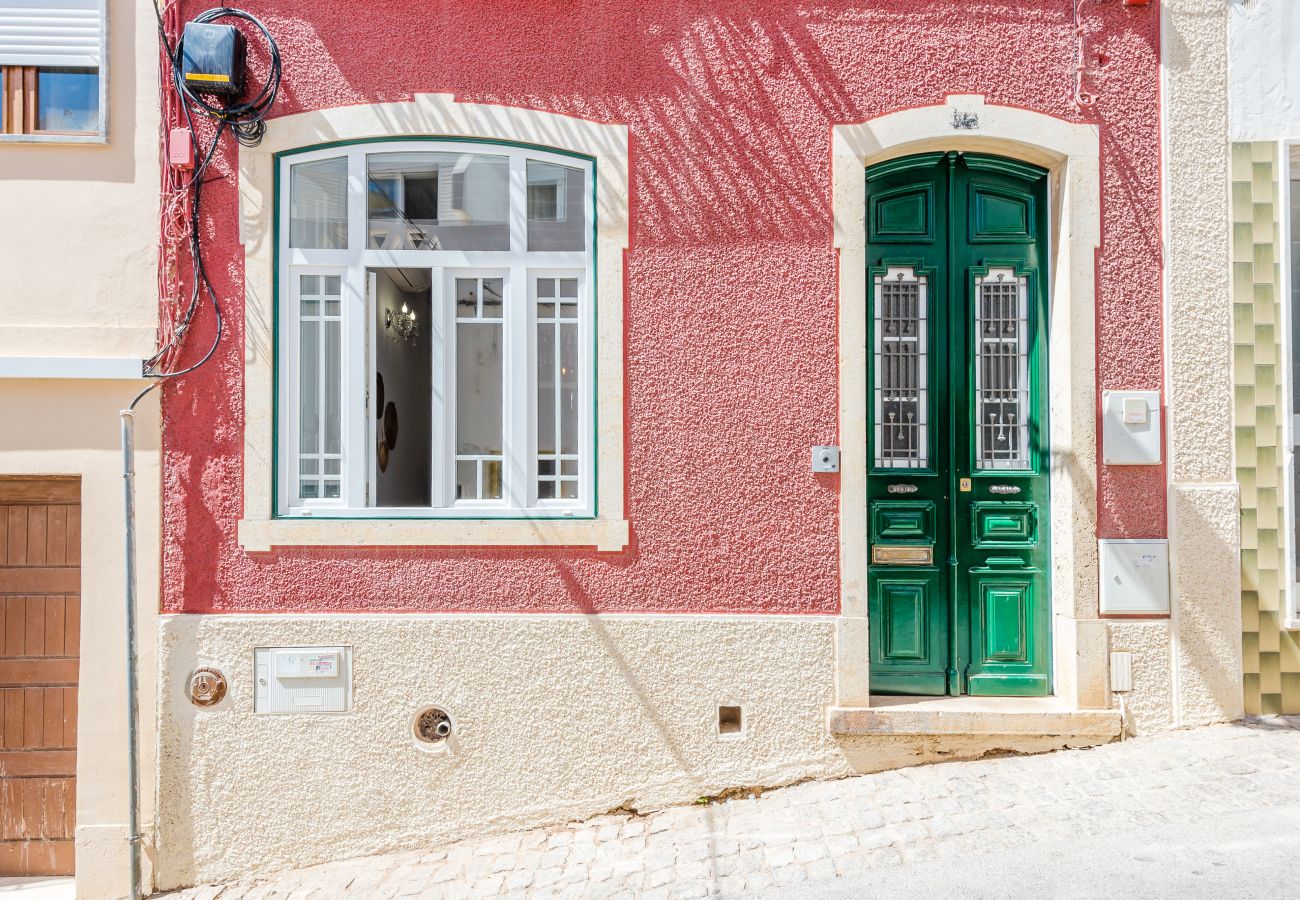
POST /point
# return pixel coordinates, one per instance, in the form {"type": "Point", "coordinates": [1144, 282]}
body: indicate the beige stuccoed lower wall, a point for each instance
{"type": "Point", "coordinates": [557, 718]}
{"type": "Point", "coordinates": [72, 428]}
{"type": "Point", "coordinates": [1204, 525]}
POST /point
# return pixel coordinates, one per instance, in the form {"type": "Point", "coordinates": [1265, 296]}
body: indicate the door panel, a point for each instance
{"type": "Point", "coordinates": [40, 631]}
{"type": "Point", "coordinates": [958, 416]}
{"type": "Point", "coordinates": [909, 633]}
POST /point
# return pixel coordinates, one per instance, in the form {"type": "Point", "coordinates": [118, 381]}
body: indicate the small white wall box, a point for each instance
{"type": "Point", "coordinates": [1134, 577]}
{"type": "Point", "coordinates": [825, 459]}
{"type": "Point", "coordinates": [1130, 428]}
{"type": "Point", "coordinates": [302, 679]}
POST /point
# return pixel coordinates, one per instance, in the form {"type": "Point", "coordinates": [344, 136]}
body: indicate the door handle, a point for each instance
{"type": "Point", "coordinates": [1004, 489]}
{"type": "Point", "coordinates": [902, 489]}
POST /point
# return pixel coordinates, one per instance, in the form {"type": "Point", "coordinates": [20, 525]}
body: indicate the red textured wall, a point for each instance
{"type": "Point", "coordinates": [730, 276]}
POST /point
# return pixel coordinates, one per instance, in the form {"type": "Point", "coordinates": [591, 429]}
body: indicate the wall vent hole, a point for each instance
{"type": "Point", "coordinates": [730, 720]}
{"type": "Point", "coordinates": [432, 725]}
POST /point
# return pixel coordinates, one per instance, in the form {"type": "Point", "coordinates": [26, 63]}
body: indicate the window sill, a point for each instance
{"type": "Point", "coordinates": [79, 139]}
{"type": "Point", "coordinates": [261, 535]}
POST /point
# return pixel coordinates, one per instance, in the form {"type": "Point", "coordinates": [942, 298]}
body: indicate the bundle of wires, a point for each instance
{"type": "Point", "coordinates": [182, 196]}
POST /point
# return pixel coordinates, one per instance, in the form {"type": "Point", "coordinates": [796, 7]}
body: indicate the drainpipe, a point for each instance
{"type": "Point", "coordinates": [132, 687]}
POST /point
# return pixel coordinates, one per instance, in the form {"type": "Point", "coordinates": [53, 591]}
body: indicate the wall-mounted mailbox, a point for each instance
{"type": "Point", "coordinates": [1134, 577]}
{"type": "Point", "coordinates": [302, 679]}
{"type": "Point", "coordinates": [1130, 428]}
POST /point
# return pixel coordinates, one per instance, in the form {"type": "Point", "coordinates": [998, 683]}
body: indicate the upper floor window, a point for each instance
{"type": "Point", "coordinates": [50, 68]}
{"type": "Point", "coordinates": [435, 331]}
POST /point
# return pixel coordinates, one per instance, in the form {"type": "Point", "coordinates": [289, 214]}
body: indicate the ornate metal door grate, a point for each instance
{"type": "Point", "coordinates": [901, 390]}
{"type": "Point", "coordinates": [1001, 371]}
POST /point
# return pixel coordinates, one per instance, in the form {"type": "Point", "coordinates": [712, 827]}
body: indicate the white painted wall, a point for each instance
{"type": "Point", "coordinates": [77, 267]}
{"type": "Point", "coordinates": [1264, 93]}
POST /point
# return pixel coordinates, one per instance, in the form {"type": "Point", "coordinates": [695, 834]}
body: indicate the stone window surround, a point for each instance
{"type": "Point", "coordinates": [442, 115]}
{"type": "Point", "coordinates": [1070, 152]}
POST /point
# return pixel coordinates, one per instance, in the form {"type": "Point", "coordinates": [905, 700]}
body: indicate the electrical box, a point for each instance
{"type": "Point", "coordinates": [1134, 577]}
{"type": "Point", "coordinates": [302, 679]}
{"type": "Point", "coordinates": [1130, 428]}
{"type": "Point", "coordinates": [825, 459]}
{"type": "Point", "coordinates": [1121, 671]}
{"type": "Point", "coordinates": [212, 58]}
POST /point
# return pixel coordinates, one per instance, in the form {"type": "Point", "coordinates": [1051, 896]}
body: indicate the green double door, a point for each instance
{"type": "Point", "coordinates": [957, 408]}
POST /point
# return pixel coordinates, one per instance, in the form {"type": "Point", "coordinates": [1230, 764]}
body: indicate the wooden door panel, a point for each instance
{"type": "Point", "coordinates": [40, 623]}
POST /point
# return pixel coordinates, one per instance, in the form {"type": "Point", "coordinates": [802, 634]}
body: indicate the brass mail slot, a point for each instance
{"type": "Point", "coordinates": [902, 556]}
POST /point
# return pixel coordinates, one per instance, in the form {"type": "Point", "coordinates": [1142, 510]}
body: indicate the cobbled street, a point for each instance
{"type": "Point", "coordinates": [1205, 812]}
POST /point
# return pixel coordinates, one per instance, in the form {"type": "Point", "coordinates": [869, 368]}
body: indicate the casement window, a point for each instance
{"type": "Point", "coordinates": [52, 84]}
{"type": "Point", "coordinates": [435, 349]}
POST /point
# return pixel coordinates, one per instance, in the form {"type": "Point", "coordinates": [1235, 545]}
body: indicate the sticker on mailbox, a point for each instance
{"type": "Point", "coordinates": [290, 664]}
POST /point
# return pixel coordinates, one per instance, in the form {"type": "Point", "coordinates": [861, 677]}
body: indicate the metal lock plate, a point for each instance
{"type": "Point", "coordinates": [207, 687]}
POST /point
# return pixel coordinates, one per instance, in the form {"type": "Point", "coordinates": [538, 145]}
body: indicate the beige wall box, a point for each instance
{"type": "Point", "coordinates": [297, 680]}
{"type": "Point", "coordinates": [1130, 428]}
{"type": "Point", "coordinates": [1134, 577]}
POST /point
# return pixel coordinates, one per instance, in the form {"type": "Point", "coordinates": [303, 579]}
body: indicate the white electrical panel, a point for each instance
{"type": "Point", "coordinates": [1134, 577]}
{"type": "Point", "coordinates": [1121, 670]}
{"type": "Point", "coordinates": [1130, 428]}
{"type": "Point", "coordinates": [302, 679]}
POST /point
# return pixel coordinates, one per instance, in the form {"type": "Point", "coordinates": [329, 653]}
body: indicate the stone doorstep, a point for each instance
{"type": "Point", "coordinates": [1039, 716]}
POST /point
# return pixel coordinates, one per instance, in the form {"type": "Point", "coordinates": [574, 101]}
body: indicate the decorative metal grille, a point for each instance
{"type": "Point", "coordinates": [1001, 371]}
{"type": "Point", "coordinates": [901, 370]}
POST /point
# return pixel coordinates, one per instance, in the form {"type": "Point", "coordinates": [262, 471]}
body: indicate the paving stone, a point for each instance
{"type": "Point", "coordinates": [819, 832]}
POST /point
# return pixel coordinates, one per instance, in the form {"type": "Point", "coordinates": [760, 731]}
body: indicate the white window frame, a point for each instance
{"type": "Point", "coordinates": [98, 136]}
{"type": "Point", "coordinates": [517, 266]}
{"type": "Point", "coordinates": [1291, 421]}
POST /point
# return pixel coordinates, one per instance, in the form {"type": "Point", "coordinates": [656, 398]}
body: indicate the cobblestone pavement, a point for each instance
{"type": "Point", "coordinates": [816, 838]}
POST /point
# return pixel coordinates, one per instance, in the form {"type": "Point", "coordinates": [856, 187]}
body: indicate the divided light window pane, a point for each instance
{"type": "Point", "coordinates": [437, 201]}
{"type": "Point", "coordinates": [557, 388]}
{"type": "Point", "coordinates": [479, 384]}
{"type": "Point", "coordinates": [438, 422]}
{"type": "Point", "coordinates": [318, 205]}
{"type": "Point", "coordinates": [557, 216]}
{"type": "Point", "coordinates": [320, 449]}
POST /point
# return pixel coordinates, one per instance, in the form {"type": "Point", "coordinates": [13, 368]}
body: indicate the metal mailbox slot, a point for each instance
{"type": "Point", "coordinates": [895, 555]}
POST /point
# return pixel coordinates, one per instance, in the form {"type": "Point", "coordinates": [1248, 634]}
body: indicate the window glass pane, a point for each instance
{"type": "Point", "coordinates": [1294, 158]}
{"type": "Point", "coordinates": [320, 450]}
{"type": "Point", "coordinates": [479, 389]}
{"type": "Point", "coordinates": [67, 100]}
{"type": "Point", "coordinates": [318, 205]}
{"type": "Point", "coordinates": [900, 369]}
{"type": "Point", "coordinates": [402, 386]}
{"type": "Point", "coordinates": [557, 388]}
{"type": "Point", "coordinates": [438, 201]}
{"type": "Point", "coordinates": [1001, 372]}
{"type": "Point", "coordinates": [557, 217]}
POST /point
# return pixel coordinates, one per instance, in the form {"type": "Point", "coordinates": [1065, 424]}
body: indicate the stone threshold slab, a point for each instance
{"type": "Point", "coordinates": [974, 716]}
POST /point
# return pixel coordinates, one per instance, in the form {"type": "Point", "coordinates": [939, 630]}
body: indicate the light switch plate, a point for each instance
{"type": "Point", "coordinates": [825, 459]}
{"type": "Point", "coordinates": [1130, 428]}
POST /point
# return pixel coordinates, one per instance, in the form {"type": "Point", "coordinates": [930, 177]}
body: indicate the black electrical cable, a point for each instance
{"type": "Point", "coordinates": [246, 118]}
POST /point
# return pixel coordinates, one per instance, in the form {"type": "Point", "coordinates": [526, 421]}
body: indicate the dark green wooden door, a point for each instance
{"type": "Point", "coordinates": [957, 406]}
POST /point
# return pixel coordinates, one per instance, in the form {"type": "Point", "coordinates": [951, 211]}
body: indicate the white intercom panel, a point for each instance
{"type": "Point", "coordinates": [302, 679]}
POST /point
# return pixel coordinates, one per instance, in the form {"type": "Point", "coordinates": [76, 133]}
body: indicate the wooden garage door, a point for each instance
{"type": "Point", "coordinates": [40, 602]}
